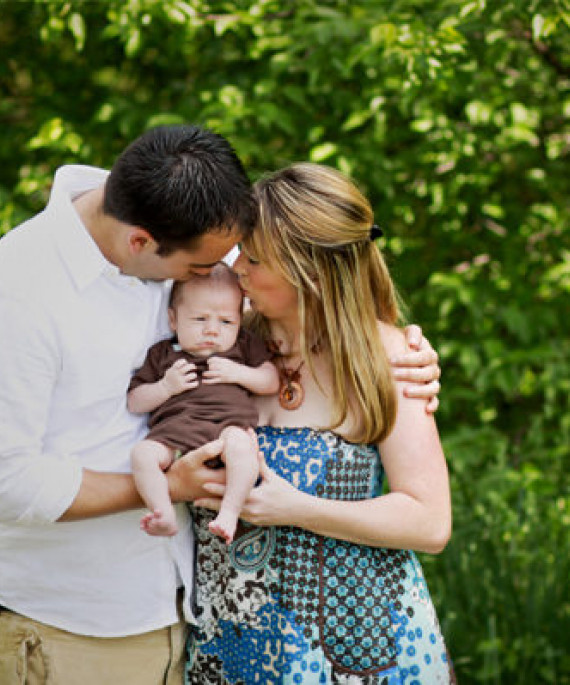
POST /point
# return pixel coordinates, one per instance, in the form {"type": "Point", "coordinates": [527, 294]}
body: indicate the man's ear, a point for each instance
{"type": "Point", "coordinates": [139, 240]}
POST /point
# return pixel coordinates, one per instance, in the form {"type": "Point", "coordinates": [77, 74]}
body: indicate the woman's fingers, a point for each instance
{"type": "Point", "coordinates": [207, 503]}
{"type": "Point", "coordinates": [215, 488]}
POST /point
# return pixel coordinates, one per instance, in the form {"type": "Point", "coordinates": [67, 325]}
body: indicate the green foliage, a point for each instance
{"type": "Point", "coordinates": [455, 118]}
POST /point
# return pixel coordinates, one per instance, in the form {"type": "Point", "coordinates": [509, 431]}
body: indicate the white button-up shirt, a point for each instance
{"type": "Point", "coordinates": [72, 331]}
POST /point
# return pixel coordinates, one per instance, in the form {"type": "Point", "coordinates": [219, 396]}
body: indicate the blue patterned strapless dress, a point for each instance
{"type": "Point", "coordinates": [283, 605]}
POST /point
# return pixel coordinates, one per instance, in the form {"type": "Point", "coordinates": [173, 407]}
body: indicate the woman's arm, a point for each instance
{"type": "Point", "coordinates": [415, 514]}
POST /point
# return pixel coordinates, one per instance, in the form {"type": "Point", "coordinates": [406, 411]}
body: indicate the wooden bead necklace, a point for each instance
{"type": "Point", "coordinates": [291, 392]}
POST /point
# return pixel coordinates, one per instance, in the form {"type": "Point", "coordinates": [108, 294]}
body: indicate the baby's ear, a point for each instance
{"type": "Point", "coordinates": [172, 319]}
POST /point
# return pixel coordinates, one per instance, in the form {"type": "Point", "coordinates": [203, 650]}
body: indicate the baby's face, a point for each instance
{"type": "Point", "coordinates": [206, 319]}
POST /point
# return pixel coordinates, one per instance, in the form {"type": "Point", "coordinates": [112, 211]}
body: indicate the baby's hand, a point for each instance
{"type": "Point", "coordinates": [181, 376]}
{"type": "Point", "coordinates": [221, 370]}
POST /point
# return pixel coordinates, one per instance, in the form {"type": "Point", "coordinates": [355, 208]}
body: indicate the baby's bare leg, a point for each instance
{"type": "Point", "coordinates": [242, 468]}
{"type": "Point", "coordinates": [149, 460]}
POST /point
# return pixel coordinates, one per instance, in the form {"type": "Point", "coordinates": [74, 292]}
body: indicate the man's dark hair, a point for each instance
{"type": "Point", "coordinates": [179, 182]}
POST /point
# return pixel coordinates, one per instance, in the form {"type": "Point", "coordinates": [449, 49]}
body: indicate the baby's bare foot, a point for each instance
{"type": "Point", "coordinates": [158, 523]}
{"type": "Point", "coordinates": [224, 525]}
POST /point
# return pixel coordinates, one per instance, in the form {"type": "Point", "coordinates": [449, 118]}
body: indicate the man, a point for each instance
{"type": "Point", "coordinates": [82, 296]}
{"type": "Point", "coordinates": [86, 597]}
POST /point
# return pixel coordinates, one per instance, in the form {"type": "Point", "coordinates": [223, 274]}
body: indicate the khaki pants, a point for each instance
{"type": "Point", "coordinates": [35, 654]}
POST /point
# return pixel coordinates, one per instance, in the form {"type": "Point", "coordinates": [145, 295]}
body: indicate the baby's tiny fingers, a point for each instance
{"type": "Point", "coordinates": [186, 365]}
{"type": "Point", "coordinates": [211, 379]}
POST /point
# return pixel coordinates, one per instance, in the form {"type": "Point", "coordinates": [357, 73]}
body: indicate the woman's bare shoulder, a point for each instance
{"type": "Point", "coordinates": [393, 338]}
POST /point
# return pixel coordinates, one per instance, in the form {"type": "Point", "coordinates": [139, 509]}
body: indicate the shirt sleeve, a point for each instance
{"type": "Point", "coordinates": [35, 487]}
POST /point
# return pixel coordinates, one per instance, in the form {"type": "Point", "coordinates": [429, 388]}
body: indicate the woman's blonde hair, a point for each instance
{"type": "Point", "coordinates": [314, 228]}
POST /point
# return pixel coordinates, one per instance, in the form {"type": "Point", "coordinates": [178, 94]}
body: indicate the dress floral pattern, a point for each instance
{"type": "Point", "coordinates": [283, 605]}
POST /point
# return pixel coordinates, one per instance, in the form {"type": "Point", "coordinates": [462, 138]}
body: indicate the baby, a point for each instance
{"type": "Point", "coordinates": [197, 388]}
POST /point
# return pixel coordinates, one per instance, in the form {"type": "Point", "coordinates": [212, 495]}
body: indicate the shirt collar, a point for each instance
{"type": "Point", "coordinates": [80, 253]}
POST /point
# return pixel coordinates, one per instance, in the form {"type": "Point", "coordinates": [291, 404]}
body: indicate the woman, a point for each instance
{"type": "Point", "coordinates": [322, 587]}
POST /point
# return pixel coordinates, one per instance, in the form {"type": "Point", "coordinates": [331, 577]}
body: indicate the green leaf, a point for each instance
{"type": "Point", "coordinates": [77, 27]}
{"type": "Point", "coordinates": [356, 119]}
{"type": "Point", "coordinates": [321, 152]}
{"type": "Point", "coordinates": [133, 44]}
{"type": "Point", "coordinates": [537, 26]}
{"type": "Point", "coordinates": [50, 132]}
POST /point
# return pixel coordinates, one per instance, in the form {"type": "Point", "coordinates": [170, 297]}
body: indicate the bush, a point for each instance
{"type": "Point", "coordinates": [454, 118]}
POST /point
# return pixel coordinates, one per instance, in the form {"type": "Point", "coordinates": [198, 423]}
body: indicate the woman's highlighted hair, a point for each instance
{"type": "Point", "coordinates": [314, 227]}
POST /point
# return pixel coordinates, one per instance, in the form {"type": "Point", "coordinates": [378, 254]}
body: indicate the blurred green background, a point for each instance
{"type": "Point", "coordinates": [454, 117]}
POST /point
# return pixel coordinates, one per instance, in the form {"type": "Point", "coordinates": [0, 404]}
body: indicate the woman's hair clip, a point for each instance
{"type": "Point", "coordinates": [376, 232]}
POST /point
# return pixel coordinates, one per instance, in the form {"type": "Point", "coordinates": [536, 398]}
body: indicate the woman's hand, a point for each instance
{"type": "Point", "coordinates": [274, 502]}
{"type": "Point", "coordinates": [420, 367]}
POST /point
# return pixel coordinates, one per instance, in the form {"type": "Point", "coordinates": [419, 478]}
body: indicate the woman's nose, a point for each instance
{"type": "Point", "coordinates": [238, 265]}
